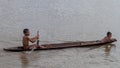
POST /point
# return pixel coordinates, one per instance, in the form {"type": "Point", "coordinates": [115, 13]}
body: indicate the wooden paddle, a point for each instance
{"type": "Point", "coordinates": [38, 38]}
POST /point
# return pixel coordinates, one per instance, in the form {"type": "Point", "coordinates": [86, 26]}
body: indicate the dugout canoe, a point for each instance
{"type": "Point", "coordinates": [62, 45]}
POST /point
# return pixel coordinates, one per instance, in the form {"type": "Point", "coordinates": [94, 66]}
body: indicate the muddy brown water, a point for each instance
{"type": "Point", "coordinates": [60, 21]}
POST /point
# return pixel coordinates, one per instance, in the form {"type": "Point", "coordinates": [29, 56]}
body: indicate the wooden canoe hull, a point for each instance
{"type": "Point", "coordinates": [62, 45]}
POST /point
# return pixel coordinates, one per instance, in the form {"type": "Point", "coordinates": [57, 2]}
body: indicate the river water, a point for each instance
{"type": "Point", "coordinates": [60, 21]}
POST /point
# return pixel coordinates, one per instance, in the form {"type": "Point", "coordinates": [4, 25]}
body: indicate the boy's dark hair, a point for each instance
{"type": "Point", "coordinates": [25, 30]}
{"type": "Point", "coordinates": [109, 33]}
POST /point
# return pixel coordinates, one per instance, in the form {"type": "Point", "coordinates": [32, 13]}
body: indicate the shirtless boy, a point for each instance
{"type": "Point", "coordinates": [108, 37]}
{"type": "Point", "coordinates": [27, 39]}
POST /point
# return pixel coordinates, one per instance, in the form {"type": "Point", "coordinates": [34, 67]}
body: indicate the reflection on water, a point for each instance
{"type": "Point", "coordinates": [24, 60]}
{"type": "Point", "coordinates": [55, 57]}
{"type": "Point", "coordinates": [28, 60]}
{"type": "Point", "coordinates": [108, 48]}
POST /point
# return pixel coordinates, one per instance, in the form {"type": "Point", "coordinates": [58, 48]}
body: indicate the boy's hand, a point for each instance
{"type": "Point", "coordinates": [36, 37]}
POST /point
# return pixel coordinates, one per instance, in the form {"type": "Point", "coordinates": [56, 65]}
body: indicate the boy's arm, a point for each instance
{"type": "Point", "coordinates": [33, 39]}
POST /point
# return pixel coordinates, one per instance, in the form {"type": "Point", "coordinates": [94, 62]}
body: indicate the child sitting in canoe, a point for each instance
{"type": "Point", "coordinates": [108, 37]}
{"type": "Point", "coordinates": [27, 39]}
